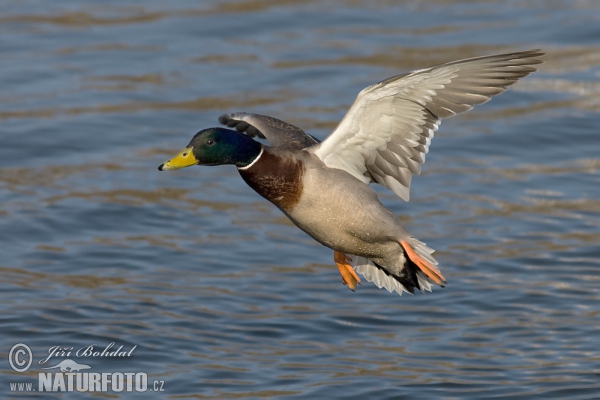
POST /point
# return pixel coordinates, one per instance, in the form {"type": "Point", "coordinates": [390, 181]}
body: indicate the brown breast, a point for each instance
{"type": "Point", "coordinates": [277, 178]}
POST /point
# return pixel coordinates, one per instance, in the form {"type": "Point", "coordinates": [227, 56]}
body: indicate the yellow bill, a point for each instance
{"type": "Point", "coordinates": [182, 160]}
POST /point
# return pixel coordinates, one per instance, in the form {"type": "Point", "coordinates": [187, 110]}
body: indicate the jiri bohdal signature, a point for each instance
{"type": "Point", "coordinates": [92, 350]}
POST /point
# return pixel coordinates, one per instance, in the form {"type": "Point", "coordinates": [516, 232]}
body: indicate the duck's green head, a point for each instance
{"type": "Point", "coordinates": [215, 146]}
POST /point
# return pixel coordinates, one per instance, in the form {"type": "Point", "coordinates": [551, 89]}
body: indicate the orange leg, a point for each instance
{"type": "Point", "coordinates": [423, 265]}
{"type": "Point", "coordinates": [349, 277]}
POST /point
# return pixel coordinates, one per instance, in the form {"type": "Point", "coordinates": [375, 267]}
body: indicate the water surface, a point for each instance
{"type": "Point", "coordinates": [224, 297]}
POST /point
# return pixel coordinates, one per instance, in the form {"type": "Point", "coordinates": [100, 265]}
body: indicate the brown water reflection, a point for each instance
{"type": "Point", "coordinates": [201, 103]}
{"type": "Point", "coordinates": [24, 278]}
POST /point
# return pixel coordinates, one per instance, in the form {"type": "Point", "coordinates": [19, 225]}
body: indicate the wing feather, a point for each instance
{"type": "Point", "coordinates": [388, 130]}
{"type": "Point", "coordinates": [278, 132]}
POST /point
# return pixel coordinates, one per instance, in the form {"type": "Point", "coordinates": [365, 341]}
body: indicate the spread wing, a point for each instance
{"type": "Point", "coordinates": [278, 132]}
{"type": "Point", "coordinates": [387, 131]}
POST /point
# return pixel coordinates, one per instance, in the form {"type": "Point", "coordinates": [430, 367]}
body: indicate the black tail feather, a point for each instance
{"type": "Point", "coordinates": [407, 276]}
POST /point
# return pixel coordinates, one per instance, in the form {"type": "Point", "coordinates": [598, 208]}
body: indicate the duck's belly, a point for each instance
{"type": "Point", "coordinates": [344, 214]}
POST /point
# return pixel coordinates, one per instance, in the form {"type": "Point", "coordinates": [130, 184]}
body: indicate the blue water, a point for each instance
{"type": "Point", "coordinates": [225, 298]}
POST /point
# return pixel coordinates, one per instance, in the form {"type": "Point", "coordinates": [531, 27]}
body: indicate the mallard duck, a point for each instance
{"type": "Point", "coordinates": [323, 187]}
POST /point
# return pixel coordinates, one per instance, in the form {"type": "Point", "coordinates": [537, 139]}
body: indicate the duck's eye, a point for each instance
{"type": "Point", "coordinates": [210, 142]}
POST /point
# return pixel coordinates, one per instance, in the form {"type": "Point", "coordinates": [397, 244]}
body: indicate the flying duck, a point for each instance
{"type": "Point", "coordinates": [323, 187]}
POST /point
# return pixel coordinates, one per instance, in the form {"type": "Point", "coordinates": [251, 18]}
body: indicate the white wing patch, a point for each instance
{"type": "Point", "coordinates": [391, 139]}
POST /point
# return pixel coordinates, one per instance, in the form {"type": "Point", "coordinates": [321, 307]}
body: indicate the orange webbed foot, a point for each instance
{"type": "Point", "coordinates": [428, 269]}
{"type": "Point", "coordinates": [349, 276]}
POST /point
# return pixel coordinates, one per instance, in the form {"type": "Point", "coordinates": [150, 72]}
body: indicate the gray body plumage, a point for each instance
{"type": "Point", "coordinates": [344, 214]}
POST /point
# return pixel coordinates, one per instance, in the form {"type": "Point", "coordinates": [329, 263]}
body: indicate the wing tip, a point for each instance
{"type": "Point", "coordinates": [223, 119]}
{"type": "Point", "coordinates": [226, 119]}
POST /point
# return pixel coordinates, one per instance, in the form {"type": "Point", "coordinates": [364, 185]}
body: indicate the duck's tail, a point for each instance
{"type": "Point", "coordinates": [419, 270]}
